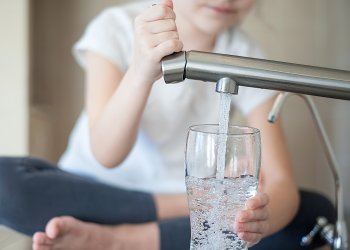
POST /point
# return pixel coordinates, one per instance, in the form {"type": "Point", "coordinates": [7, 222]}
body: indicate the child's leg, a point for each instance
{"type": "Point", "coordinates": [175, 234]}
{"type": "Point", "coordinates": [33, 191]}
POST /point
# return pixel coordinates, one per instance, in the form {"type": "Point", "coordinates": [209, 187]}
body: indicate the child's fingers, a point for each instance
{"type": "Point", "coordinates": [252, 227]}
{"type": "Point", "coordinates": [156, 12]}
{"type": "Point", "coordinates": [250, 238]}
{"type": "Point", "coordinates": [160, 26]}
{"type": "Point", "coordinates": [158, 39]}
{"type": "Point", "coordinates": [252, 215]}
{"type": "Point", "coordinates": [168, 3]}
{"type": "Point", "coordinates": [259, 200]}
{"type": "Point", "coordinates": [167, 48]}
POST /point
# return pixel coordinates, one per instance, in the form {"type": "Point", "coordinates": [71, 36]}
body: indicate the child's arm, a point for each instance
{"type": "Point", "coordinates": [277, 204]}
{"type": "Point", "coordinates": [115, 102]}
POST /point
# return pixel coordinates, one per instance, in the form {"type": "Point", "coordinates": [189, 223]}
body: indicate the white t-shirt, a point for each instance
{"type": "Point", "coordinates": [156, 162]}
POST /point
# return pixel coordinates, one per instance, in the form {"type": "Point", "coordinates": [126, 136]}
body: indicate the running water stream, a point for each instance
{"type": "Point", "coordinates": [224, 115]}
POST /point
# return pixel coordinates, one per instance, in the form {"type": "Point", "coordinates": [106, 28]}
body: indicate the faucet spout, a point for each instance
{"type": "Point", "coordinates": [227, 85]}
{"type": "Point", "coordinates": [277, 107]}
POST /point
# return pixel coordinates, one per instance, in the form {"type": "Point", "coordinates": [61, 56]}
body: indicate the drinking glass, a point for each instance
{"type": "Point", "coordinates": [219, 182]}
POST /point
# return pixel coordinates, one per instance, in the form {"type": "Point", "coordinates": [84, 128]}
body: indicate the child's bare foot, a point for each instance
{"type": "Point", "coordinates": [67, 233]}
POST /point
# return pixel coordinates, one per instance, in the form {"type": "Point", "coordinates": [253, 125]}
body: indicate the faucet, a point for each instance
{"type": "Point", "coordinates": [256, 73]}
{"type": "Point", "coordinates": [335, 236]}
{"type": "Point", "coordinates": [229, 72]}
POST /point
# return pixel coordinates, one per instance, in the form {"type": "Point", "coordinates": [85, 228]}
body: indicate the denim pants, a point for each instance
{"type": "Point", "coordinates": [32, 191]}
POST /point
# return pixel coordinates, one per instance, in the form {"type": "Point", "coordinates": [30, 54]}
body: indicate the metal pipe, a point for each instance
{"type": "Point", "coordinates": [340, 231]}
{"type": "Point", "coordinates": [257, 73]}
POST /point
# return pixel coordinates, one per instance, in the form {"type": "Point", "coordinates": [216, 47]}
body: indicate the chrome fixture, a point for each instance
{"type": "Point", "coordinates": [257, 73]}
{"type": "Point", "coordinates": [319, 227]}
{"type": "Point", "coordinates": [227, 85]}
{"type": "Point", "coordinates": [325, 230]}
{"type": "Point", "coordinates": [336, 235]}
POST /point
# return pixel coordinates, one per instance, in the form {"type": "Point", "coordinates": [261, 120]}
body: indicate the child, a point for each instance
{"type": "Point", "coordinates": [132, 132]}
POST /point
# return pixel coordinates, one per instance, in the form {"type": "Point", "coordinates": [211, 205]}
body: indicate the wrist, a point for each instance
{"type": "Point", "coordinates": [138, 78]}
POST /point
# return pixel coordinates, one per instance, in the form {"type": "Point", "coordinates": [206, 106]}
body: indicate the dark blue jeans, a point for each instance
{"type": "Point", "coordinates": [33, 191]}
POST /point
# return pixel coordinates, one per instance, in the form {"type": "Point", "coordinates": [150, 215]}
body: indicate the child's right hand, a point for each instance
{"type": "Point", "coordinates": [253, 223]}
{"type": "Point", "coordinates": [156, 36]}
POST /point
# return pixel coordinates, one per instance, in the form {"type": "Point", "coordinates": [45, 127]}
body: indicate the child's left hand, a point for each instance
{"type": "Point", "coordinates": [252, 223]}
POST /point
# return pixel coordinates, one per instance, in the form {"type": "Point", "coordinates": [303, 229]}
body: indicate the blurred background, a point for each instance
{"type": "Point", "coordinates": [42, 88]}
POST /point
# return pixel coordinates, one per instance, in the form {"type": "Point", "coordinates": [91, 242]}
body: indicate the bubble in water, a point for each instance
{"type": "Point", "coordinates": [213, 207]}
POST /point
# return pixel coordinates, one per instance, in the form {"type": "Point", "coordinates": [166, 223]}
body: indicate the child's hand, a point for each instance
{"type": "Point", "coordinates": [156, 36]}
{"type": "Point", "coordinates": [252, 223]}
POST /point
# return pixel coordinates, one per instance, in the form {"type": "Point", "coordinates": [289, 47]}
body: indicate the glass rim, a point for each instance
{"type": "Point", "coordinates": [244, 130]}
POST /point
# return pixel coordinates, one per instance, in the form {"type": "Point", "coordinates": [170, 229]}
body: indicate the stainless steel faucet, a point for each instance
{"type": "Point", "coordinates": [257, 73]}
{"type": "Point", "coordinates": [230, 72]}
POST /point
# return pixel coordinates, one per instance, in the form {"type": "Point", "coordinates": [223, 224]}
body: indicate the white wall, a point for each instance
{"type": "Point", "coordinates": [14, 68]}
{"type": "Point", "coordinates": [57, 81]}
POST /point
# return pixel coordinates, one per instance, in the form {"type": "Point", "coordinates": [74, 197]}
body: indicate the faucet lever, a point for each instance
{"type": "Point", "coordinates": [307, 239]}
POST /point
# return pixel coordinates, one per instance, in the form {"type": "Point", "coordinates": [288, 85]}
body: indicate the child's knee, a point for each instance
{"type": "Point", "coordinates": [9, 167]}
{"type": "Point", "coordinates": [12, 179]}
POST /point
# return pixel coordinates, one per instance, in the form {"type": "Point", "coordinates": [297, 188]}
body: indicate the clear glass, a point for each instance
{"type": "Point", "coordinates": [214, 201]}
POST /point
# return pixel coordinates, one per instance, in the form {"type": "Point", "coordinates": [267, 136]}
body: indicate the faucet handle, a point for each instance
{"type": "Point", "coordinates": [320, 224]}
{"type": "Point", "coordinates": [174, 67]}
{"type": "Point", "coordinates": [327, 234]}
